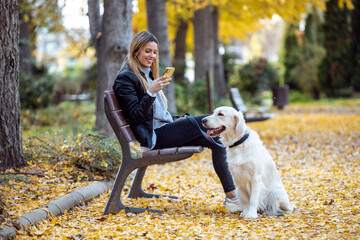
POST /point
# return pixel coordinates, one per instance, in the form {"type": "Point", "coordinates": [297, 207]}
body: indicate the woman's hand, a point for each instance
{"type": "Point", "coordinates": [159, 83]}
{"type": "Point", "coordinates": [177, 119]}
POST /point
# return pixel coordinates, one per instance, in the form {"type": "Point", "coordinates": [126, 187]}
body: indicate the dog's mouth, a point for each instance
{"type": "Point", "coordinates": [214, 132]}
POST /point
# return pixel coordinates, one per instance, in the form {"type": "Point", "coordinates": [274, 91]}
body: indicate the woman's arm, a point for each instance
{"type": "Point", "coordinates": [134, 101]}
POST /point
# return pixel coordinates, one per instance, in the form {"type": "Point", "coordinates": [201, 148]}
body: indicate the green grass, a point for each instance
{"type": "Point", "coordinates": [298, 97]}
{"type": "Point", "coordinates": [66, 118]}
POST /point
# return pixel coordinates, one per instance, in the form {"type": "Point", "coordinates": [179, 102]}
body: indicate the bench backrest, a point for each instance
{"type": "Point", "coordinates": [125, 135]}
{"type": "Point", "coordinates": [117, 121]}
{"type": "Point", "coordinates": [237, 100]}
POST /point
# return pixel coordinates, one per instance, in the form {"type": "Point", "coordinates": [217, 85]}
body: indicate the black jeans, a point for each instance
{"type": "Point", "coordinates": [190, 132]}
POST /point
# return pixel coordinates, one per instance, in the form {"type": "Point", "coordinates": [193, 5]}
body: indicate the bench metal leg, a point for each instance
{"type": "Point", "coordinates": [136, 189]}
{"type": "Point", "coordinates": [114, 204]}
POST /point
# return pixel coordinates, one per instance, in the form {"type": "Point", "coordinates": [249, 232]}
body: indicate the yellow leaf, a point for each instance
{"type": "Point", "coordinates": [26, 17]}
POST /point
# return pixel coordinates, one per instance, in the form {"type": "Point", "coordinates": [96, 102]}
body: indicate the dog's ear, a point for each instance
{"type": "Point", "coordinates": [239, 122]}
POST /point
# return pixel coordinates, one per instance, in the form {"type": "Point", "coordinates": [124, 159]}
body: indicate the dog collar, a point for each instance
{"type": "Point", "coordinates": [241, 140]}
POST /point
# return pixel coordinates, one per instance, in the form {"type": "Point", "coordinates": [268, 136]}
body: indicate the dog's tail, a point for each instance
{"type": "Point", "coordinates": [276, 203]}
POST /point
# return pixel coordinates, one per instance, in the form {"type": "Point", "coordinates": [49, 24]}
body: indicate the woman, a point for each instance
{"type": "Point", "coordinates": [138, 89]}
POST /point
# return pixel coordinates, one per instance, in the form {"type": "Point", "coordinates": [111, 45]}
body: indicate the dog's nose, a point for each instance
{"type": "Point", "coordinates": [204, 120]}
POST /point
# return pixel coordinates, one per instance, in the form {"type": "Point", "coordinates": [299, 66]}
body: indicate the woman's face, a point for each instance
{"type": "Point", "coordinates": [147, 54]}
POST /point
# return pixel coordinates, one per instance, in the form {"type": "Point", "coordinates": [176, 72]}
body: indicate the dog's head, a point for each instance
{"type": "Point", "coordinates": [225, 121]}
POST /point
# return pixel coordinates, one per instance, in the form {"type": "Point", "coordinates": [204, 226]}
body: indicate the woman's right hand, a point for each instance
{"type": "Point", "coordinates": [159, 83]}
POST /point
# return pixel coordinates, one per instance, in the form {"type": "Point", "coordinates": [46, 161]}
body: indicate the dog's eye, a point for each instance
{"type": "Point", "coordinates": [220, 114]}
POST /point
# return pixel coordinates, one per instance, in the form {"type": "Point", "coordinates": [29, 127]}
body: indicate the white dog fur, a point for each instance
{"type": "Point", "coordinates": [254, 172]}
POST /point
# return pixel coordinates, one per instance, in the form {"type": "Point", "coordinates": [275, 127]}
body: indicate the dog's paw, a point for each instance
{"type": "Point", "coordinates": [249, 213]}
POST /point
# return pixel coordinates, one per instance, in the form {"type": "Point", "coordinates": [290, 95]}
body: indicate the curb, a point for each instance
{"type": "Point", "coordinates": [56, 207]}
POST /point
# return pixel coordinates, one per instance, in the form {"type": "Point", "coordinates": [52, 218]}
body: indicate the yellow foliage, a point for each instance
{"type": "Point", "coordinates": [140, 17]}
{"type": "Point", "coordinates": [346, 3]}
{"type": "Point", "coordinates": [237, 18]}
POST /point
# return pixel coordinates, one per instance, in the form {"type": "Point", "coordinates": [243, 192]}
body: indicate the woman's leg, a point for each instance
{"type": "Point", "coordinates": [188, 132]}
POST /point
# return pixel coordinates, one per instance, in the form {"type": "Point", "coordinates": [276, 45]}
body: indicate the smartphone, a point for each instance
{"type": "Point", "coordinates": [169, 71]}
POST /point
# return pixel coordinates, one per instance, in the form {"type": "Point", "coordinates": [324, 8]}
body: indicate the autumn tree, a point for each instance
{"type": "Point", "coordinates": [355, 46]}
{"type": "Point", "coordinates": [335, 69]}
{"type": "Point", "coordinates": [24, 42]}
{"type": "Point", "coordinates": [33, 16]}
{"type": "Point", "coordinates": [157, 24]}
{"type": "Point", "coordinates": [203, 59]}
{"type": "Point", "coordinates": [111, 35]}
{"type": "Point", "coordinates": [11, 152]}
{"type": "Point", "coordinates": [180, 17]}
{"type": "Point", "coordinates": [310, 54]}
{"type": "Point", "coordinates": [218, 67]}
{"type": "Point", "coordinates": [180, 50]}
{"type": "Point", "coordinates": [288, 57]}
{"type": "Point", "coordinates": [232, 18]}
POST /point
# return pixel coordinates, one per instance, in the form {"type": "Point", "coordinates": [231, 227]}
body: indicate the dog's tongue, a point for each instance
{"type": "Point", "coordinates": [209, 132]}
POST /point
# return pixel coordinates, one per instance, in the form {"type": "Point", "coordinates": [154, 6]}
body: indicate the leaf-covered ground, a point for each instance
{"type": "Point", "coordinates": [315, 148]}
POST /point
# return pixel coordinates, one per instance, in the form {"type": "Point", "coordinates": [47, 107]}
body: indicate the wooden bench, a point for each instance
{"type": "Point", "coordinates": [239, 105]}
{"type": "Point", "coordinates": [129, 163]}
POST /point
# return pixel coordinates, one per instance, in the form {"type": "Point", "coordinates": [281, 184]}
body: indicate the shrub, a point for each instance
{"type": "Point", "coordinates": [36, 90]}
{"type": "Point", "coordinates": [229, 62]}
{"type": "Point", "coordinates": [192, 97]}
{"type": "Point", "coordinates": [91, 153]}
{"type": "Point", "coordinates": [257, 76]}
{"type": "Point", "coordinates": [66, 114]}
{"type": "Point", "coordinates": [76, 79]}
{"type": "Point", "coordinates": [336, 68]}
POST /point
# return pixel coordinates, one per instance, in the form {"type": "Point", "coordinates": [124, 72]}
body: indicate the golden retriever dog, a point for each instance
{"type": "Point", "coordinates": [254, 172]}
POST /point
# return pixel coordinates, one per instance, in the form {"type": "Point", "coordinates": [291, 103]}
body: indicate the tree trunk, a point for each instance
{"type": "Point", "coordinates": [180, 50]}
{"type": "Point", "coordinates": [203, 59]}
{"type": "Point", "coordinates": [24, 48]}
{"type": "Point", "coordinates": [111, 37]}
{"type": "Point", "coordinates": [11, 153]}
{"type": "Point", "coordinates": [218, 71]}
{"type": "Point", "coordinates": [157, 24]}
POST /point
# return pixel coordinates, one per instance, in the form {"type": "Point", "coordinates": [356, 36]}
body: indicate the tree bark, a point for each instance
{"type": "Point", "coordinates": [203, 59]}
{"type": "Point", "coordinates": [220, 87]}
{"type": "Point", "coordinates": [157, 24]}
{"type": "Point", "coordinates": [180, 50]}
{"type": "Point", "coordinates": [111, 36]}
{"type": "Point", "coordinates": [11, 152]}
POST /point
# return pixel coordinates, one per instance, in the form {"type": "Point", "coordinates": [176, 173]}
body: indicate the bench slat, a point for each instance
{"type": "Point", "coordinates": [171, 151]}
{"type": "Point", "coordinates": [190, 149]}
{"type": "Point", "coordinates": [119, 118]}
{"type": "Point", "coordinates": [111, 98]}
{"type": "Point", "coordinates": [151, 153]}
{"type": "Point", "coordinates": [128, 134]}
{"type": "Point", "coordinates": [168, 151]}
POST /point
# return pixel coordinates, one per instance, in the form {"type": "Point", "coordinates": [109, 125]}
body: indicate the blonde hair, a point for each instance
{"type": "Point", "coordinates": [137, 43]}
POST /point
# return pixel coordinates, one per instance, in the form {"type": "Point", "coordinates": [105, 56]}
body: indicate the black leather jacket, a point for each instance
{"type": "Point", "coordinates": [136, 104]}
